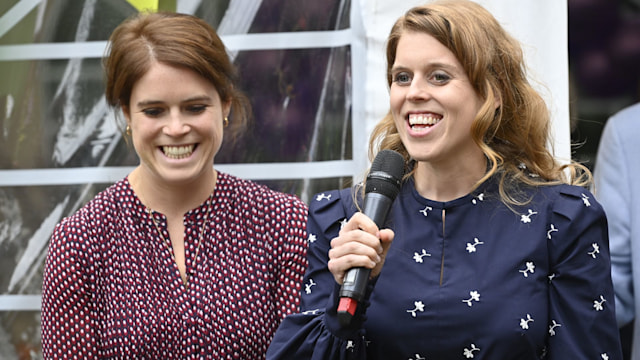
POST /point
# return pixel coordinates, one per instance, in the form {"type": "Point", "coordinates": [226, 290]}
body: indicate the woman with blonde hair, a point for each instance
{"type": "Point", "coordinates": [499, 251]}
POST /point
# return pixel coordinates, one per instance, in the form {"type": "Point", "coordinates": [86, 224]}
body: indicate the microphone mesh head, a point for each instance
{"type": "Point", "coordinates": [386, 174]}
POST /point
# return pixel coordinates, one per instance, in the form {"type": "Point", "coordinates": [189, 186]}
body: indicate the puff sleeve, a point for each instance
{"type": "Point", "coordinates": [315, 333]}
{"type": "Point", "coordinates": [581, 299]}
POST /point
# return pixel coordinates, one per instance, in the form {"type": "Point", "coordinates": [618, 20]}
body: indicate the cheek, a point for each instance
{"type": "Point", "coordinates": [395, 104]}
{"type": "Point", "coordinates": [141, 137]}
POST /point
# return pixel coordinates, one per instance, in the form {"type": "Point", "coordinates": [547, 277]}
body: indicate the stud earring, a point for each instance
{"type": "Point", "coordinates": [226, 121]}
{"type": "Point", "coordinates": [128, 130]}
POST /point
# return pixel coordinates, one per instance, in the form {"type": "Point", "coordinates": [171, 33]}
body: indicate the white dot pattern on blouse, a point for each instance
{"type": "Point", "coordinates": [112, 289]}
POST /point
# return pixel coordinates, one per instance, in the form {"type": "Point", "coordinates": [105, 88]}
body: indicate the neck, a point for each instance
{"type": "Point", "coordinates": [171, 199]}
{"type": "Point", "coordinates": [450, 181]}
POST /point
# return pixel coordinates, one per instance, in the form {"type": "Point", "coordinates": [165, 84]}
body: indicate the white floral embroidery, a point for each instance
{"type": "Point", "coordinates": [524, 324]}
{"type": "Point", "coordinates": [585, 200]}
{"type": "Point", "coordinates": [527, 218]}
{"type": "Point", "coordinates": [599, 305]}
{"type": "Point", "coordinates": [418, 257]}
{"type": "Point", "coordinates": [307, 287]}
{"type": "Point", "coordinates": [552, 328]}
{"type": "Point", "coordinates": [472, 247]}
{"type": "Point", "coordinates": [596, 250]}
{"type": "Point", "coordinates": [530, 268]}
{"type": "Point", "coordinates": [312, 238]}
{"type": "Point", "coordinates": [551, 277]}
{"type": "Point", "coordinates": [323, 196]}
{"type": "Point", "coordinates": [343, 222]}
{"type": "Point", "coordinates": [468, 353]}
{"type": "Point", "coordinates": [418, 357]}
{"type": "Point", "coordinates": [311, 312]}
{"type": "Point", "coordinates": [419, 306]}
{"type": "Point", "coordinates": [552, 230]}
{"type": "Point", "coordinates": [350, 345]}
{"type": "Point", "coordinates": [475, 296]}
{"type": "Point", "coordinates": [604, 356]}
{"type": "Point", "coordinates": [479, 197]}
{"type": "Point", "coordinates": [426, 210]}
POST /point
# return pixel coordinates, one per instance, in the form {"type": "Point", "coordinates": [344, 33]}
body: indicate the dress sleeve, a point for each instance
{"type": "Point", "coordinates": [613, 187]}
{"type": "Point", "coordinates": [292, 261]}
{"type": "Point", "coordinates": [67, 330]}
{"type": "Point", "coordinates": [315, 332]}
{"type": "Point", "coordinates": [582, 322]}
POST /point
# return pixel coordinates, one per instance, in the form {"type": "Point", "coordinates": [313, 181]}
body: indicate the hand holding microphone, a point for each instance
{"type": "Point", "coordinates": [381, 188]}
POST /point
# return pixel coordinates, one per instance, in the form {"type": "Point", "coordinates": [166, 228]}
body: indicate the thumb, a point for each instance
{"type": "Point", "coordinates": [386, 238]}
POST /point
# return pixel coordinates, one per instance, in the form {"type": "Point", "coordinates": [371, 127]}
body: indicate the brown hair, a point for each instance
{"type": "Point", "coordinates": [177, 40]}
{"type": "Point", "coordinates": [512, 137]}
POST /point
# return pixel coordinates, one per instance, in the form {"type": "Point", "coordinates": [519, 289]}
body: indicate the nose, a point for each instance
{"type": "Point", "coordinates": [176, 125]}
{"type": "Point", "coordinates": [418, 90]}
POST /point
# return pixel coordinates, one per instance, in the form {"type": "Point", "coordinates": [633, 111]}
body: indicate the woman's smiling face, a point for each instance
{"type": "Point", "coordinates": [176, 119]}
{"type": "Point", "coordinates": [432, 101]}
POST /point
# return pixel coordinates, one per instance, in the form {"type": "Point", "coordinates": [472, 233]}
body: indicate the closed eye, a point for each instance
{"type": "Point", "coordinates": [196, 109]}
{"type": "Point", "coordinates": [152, 112]}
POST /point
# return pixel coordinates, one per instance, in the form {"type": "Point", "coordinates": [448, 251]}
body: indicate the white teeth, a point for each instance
{"type": "Point", "coordinates": [178, 152]}
{"type": "Point", "coordinates": [420, 119]}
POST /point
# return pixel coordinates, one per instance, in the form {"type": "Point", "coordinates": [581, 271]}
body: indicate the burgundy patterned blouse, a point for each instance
{"type": "Point", "coordinates": [112, 289]}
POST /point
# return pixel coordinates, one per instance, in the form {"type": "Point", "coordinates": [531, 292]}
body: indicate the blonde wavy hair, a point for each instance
{"type": "Point", "coordinates": [515, 137]}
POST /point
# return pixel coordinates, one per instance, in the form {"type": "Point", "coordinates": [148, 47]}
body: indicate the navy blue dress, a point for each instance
{"type": "Point", "coordinates": [465, 279]}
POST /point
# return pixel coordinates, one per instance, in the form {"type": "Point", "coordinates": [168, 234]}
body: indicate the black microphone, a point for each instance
{"type": "Point", "coordinates": [381, 188]}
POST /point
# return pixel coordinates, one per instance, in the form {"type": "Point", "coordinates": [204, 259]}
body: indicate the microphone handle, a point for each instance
{"type": "Point", "coordinates": [376, 207]}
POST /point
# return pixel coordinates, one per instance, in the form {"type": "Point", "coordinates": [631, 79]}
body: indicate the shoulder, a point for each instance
{"type": "Point", "coordinates": [328, 207]}
{"type": "Point", "coordinates": [334, 200]}
{"type": "Point", "coordinates": [92, 218]}
{"type": "Point", "coordinates": [625, 123]}
{"type": "Point", "coordinates": [627, 116]}
{"type": "Point", "coordinates": [103, 208]}
{"type": "Point", "coordinates": [249, 192]}
{"type": "Point", "coordinates": [573, 203]}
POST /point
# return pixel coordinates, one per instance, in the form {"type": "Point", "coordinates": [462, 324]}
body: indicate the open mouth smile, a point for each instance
{"type": "Point", "coordinates": [178, 152]}
{"type": "Point", "coordinates": [421, 122]}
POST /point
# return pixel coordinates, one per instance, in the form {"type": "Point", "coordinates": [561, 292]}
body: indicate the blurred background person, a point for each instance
{"type": "Point", "coordinates": [617, 170]}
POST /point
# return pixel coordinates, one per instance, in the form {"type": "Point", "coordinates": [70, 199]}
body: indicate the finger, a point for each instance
{"type": "Point", "coordinates": [386, 238]}
{"type": "Point", "coordinates": [360, 221]}
{"type": "Point", "coordinates": [339, 266]}
{"type": "Point", "coordinates": [356, 250]}
{"type": "Point", "coordinates": [354, 237]}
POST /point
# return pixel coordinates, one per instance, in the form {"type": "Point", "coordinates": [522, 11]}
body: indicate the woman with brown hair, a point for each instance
{"type": "Point", "coordinates": [499, 251]}
{"type": "Point", "coordinates": [177, 260]}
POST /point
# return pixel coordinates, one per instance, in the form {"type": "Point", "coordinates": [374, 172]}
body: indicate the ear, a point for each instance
{"type": "Point", "coordinates": [226, 108]}
{"type": "Point", "coordinates": [497, 102]}
{"type": "Point", "coordinates": [127, 114]}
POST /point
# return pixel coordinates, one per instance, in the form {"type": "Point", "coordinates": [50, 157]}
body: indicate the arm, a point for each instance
{"type": "Point", "coordinates": [582, 313]}
{"type": "Point", "coordinates": [292, 261]}
{"type": "Point", "coordinates": [67, 330]}
{"type": "Point", "coordinates": [315, 333]}
{"type": "Point", "coordinates": [613, 189]}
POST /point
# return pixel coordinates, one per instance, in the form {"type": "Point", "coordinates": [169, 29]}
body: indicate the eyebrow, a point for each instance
{"type": "Point", "coordinates": [436, 64]}
{"type": "Point", "coordinates": [202, 98]}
